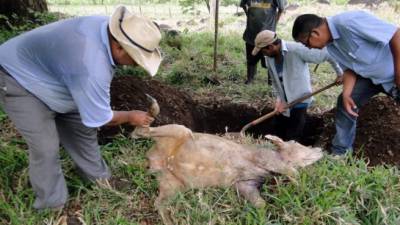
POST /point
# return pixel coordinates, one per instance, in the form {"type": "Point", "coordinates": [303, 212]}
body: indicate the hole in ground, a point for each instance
{"type": "Point", "coordinates": [207, 115]}
{"type": "Point", "coordinates": [377, 127]}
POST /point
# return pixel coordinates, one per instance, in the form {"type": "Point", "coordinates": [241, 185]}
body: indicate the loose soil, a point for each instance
{"type": "Point", "coordinates": [378, 129]}
{"type": "Point", "coordinates": [210, 115]}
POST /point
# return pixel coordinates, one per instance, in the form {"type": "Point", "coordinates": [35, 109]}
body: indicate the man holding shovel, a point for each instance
{"type": "Point", "coordinates": [368, 49]}
{"type": "Point", "coordinates": [288, 64]}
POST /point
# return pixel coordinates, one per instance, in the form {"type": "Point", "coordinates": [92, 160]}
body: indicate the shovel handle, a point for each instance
{"type": "Point", "coordinates": [257, 121]}
{"type": "Point", "coordinates": [291, 104]}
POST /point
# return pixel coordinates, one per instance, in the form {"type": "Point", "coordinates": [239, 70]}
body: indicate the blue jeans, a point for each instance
{"type": "Point", "coordinates": [345, 123]}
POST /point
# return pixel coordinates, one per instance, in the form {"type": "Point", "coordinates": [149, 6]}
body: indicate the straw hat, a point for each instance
{"type": "Point", "coordinates": [263, 39]}
{"type": "Point", "coordinates": [138, 36]}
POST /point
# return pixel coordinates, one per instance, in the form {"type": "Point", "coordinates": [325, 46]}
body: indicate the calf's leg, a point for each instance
{"type": "Point", "coordinates": [250, 189]}
{"type": "Point", "coordinates": [169, 185]}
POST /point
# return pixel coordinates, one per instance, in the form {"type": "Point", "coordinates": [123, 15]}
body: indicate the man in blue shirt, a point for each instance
{"type": "Point", "coordinates": [288, 66]}
{"type": "Point", "coordinates": [368, 50]}
{"type": "Point", "coordinates": [55, 87]}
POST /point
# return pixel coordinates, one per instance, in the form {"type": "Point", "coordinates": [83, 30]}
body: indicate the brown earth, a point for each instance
{"type": "Point", "coordinates": [378, 129]}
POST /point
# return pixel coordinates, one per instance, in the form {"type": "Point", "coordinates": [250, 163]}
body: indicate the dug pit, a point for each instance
{"type": "Point", "coordinates": [377, 137]}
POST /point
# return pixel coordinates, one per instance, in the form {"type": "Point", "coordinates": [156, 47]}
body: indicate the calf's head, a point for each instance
{"type": "Point", "coordinates": [296, 154]}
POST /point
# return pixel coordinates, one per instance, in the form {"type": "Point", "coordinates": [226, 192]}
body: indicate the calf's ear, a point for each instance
{"type": "Point", "coordinates": [276, 141]}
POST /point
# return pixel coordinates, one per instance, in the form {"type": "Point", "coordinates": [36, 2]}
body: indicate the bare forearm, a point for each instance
{"type": "Point", "coordinates": [119, 117]}
{"type": "Point", "coordinates": [349, 80]}
{"type": "Point", "coordinates": [395, 48]}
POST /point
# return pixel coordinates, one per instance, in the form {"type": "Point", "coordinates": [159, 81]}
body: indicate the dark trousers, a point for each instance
{"type": "Point", "coordinates": [252, 61]}
{"type": "Point", "coordinates": [291, 128]}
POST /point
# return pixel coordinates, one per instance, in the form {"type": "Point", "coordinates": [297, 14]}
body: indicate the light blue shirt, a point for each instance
{"type": "Point", "coordinates": [67, 64]}
{"type": "Point", "coordinates": [296, 80]}
{"type": "Point", "coordinates": [361, 44]}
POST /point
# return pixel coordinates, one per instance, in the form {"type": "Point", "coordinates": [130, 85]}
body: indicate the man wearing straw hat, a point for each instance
{"type": "Point", "coordinates": [55, 87]}
{"type": "Point", "coordinates": [288, 64]}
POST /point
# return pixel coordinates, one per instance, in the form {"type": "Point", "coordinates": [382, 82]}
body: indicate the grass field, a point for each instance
{"type": "Point", "coordinates": [344, 191]}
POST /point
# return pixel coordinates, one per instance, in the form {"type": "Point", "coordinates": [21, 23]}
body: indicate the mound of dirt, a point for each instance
{"type": "Point", "coordinates": [378, 131]}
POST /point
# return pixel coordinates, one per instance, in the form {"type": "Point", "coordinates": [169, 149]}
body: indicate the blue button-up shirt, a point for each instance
{"type": "Point", "coordinates": [67, 64]}
{"type": "Point", "coordinates": [296, 81]}
{"type": "Point", "coordinates": [361, 44]}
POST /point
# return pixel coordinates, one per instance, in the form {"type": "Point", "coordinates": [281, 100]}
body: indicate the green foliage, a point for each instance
{"type": "Point", "coordinates": [189, 6]}
{"type": "Point", "coordinates": [344, 191]}
{"type": "Point", "coordinates": [330, 192]}
{"type": "Point", "coordinates": [229, 2]}
{"type": "Point", "coordinates": [3, 115]}
{"type": "Point", "coordinates": [24, 24]}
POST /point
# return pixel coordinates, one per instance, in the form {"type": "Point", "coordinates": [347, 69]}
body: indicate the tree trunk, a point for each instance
{"type": "Point", "coordinates": [22, 8]}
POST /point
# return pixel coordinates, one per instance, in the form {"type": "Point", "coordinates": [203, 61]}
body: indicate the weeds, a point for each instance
{"type": "Point", "coordinates": [332, 191]}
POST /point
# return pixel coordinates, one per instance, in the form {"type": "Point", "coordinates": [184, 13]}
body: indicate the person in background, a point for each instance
{"type": "Point", "coordinates": [368, 50]}
{"type": "Point", "coordinates": [261, 15]}
{"type": "Point", "coordinates": [55, 87]}
{"type": "Point", "coordinates": [287, 64]}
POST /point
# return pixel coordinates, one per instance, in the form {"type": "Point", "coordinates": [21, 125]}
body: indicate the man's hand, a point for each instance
{"type": "Point", "coordinates": [134, 118]}
{"type": "Point", "coordinates": [139, 118]}
{"type": "Point", "coordinates": [350, 106]}
{"type": "Point", "coordinates": [339, 80]}
{"type": "Point", "coordinates": [280, 106]}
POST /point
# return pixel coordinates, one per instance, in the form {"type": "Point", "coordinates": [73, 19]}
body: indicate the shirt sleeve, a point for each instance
{"type": "Point", "coordinates": [318, 56]}
{"type": "Point", "coordinates": [89, 85]}
{"type": "Point", "coordinates": [368, 27]}
{"type": "Point", "coordinates": [311, 55]}
{"type": "Point", "coordinates": [91, 94]}
{"type": "Point", "coordinates": [335, 66]}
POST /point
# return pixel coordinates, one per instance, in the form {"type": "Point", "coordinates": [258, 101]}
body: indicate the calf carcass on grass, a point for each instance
{"type": "Point", "coordinates": [187, 160]}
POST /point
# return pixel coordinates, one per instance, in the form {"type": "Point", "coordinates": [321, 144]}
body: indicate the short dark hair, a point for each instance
{"type": "Point", "coordinates": [277, 41]}
{"type": "Point", "coordinates": [305, 23]}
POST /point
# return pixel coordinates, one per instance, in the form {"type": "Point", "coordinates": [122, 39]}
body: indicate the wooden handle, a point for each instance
{"type": "Point", "coordinates": [291, 104]}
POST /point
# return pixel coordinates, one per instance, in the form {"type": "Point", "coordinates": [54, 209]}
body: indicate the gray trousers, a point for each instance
{"type": "Point", "coordinates": [44, 130]}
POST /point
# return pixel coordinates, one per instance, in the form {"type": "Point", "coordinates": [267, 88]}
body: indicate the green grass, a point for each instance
{"type": "Point", "coordinates": [329, 192]}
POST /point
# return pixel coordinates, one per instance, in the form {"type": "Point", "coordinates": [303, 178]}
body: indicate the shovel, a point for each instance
{"type": "Point", "coordinates": [273, 113]}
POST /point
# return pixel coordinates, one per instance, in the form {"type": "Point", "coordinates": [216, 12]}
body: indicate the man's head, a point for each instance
{"type": "Point", "coordinates": [134, 40]}
{"type": "Point", "coordinates": [311, 30]}
{"type": "Point", "coordinates": [268, 43]}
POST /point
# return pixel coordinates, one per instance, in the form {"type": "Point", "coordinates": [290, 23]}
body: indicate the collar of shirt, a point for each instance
{"type": "Point", "coordinates": [106, 41]}
{"type": "Point", "coordinates": [334, 32]}
{"type": "Point", "coordinates": [284, 48]}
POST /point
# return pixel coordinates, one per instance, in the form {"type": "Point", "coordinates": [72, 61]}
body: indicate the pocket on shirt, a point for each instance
{"type": "Point", "coordinates": [364, 55]}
